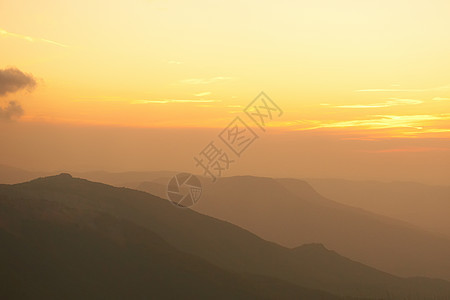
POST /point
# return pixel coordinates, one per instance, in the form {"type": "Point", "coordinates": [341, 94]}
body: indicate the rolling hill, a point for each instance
{"type": "Point", "coordinates": [219, 243]}
{"type": "Point", "coordinates": [52, 251]}
{"type": "Point", "coordinates": [290, 212]}
{"type": "Point", "coordinates": [424, 205]}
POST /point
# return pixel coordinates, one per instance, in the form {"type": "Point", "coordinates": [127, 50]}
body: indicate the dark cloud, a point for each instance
{"type": "Point", "coordinates": [13, 80]}
{"type": "Point", "coordinates": [13, 110]}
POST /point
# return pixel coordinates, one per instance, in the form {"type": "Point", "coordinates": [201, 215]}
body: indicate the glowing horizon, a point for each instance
{"type": "Point", "coordinates": [373, 71]}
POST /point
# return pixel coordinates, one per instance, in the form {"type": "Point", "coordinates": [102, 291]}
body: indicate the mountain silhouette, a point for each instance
{"type": "Point", "coordinates": [227, 247]}
{"type": "Point", "coordinates": [50, 250]}
{"type": "Point", "coordinates": [424, 205]}
{"type": "Point", "coordinates": [290, 212]}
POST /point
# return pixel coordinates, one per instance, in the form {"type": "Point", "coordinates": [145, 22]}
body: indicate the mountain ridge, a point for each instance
{"type": "Point", "coordinates": [48, 245]}
{"type": "Point", "coordinates": [222, 243]}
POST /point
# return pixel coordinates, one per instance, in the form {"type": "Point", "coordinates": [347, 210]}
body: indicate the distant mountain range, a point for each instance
{"type": "Point", "coordinates": [424, 205]}
{"type": "Point", "coordinates": [63, 236]}
{"type": "Point", "coordinates": [11, 175]}
{"type": "Point", "coordinates": [290, 212]}
{"type": "Point", "coordinates": [53, 251]}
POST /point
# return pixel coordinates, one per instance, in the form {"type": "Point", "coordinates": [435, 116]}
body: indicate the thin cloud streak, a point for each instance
{"type": "Point", "coordinates": [444, 87]}
{"type": "Point", "coordinates": [413, 150]}
{"type": "Point", "coordinates": [174, 101]}
{"type": "Point", "coordinates": [202, 94]}
{"type": "Point", "coordinates": [389, 103]}
{"type": "Point", "coordinates": [196, 81]}
{"type": "Point", "coordinates": [377, 122]}
{"type": "Point", "coordinates": [30, 39]}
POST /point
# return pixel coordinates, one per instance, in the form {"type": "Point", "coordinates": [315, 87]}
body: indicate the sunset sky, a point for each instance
{"type": "Point", "coordinates": [364, 85]}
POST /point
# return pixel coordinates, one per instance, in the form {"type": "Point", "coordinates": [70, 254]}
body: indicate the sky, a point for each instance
{"type": "Point", "coordinates": [364, 86]}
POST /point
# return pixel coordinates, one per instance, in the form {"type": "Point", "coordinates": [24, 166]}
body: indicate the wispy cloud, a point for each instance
{"type": "Point", "coordinates": [440, 99]}
{"type": "Point", "coordinates": [358, 139]}
{"type": "Point", "coordinates": [149, 101]}
{"type": "Point", "coordinates": [390, 90]}
{"type": "Point", "coordinates": [13, 80]}
{"type": "Point", "coordinates": [165, 101]}
{"type": "Point", "coordinates": [202, 94]}
{"type": "Point", "coordinates": [204, 80]}
{"type": "Point", "coordinates": [30, 39]}
{"type": "Point", "coordinates": [389, 103]}
{"type": "Point", "coordinates": [13, 110]}
{"type": "Point", "coordinates": [412, 149]}
{"type": "Point", "coordinates": [434, 130]}
{"type": "Point", "coordinates": [195, 101]}
{"type": "Point", "coordinates": [376, 122]}
{"type": "Point", "coordinates": [439, 88]}
{"type": "Point", "coordinates": [103, 99]}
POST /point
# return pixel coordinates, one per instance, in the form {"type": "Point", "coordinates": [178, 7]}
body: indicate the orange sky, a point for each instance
{"type": "Point", "coordinates": [372, 75]}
